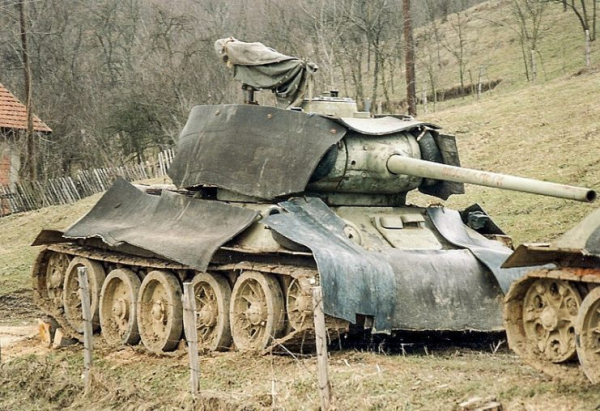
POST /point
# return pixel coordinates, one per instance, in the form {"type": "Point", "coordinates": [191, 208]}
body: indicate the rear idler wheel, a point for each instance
{"type": "Point", "coordinates": [587, 328]}
{"type": "Point", "coordinates": [56, 269]}
{"type": "Point", "coordinates": [72, 296]}
{"type": "Point", "coordinates": [213, 297]}
{"type": "Point", "coordinates": [160, 311]}
{"type": "Point", "coordinates": [118, 306]}
{"type": "Point", "coordinates": [257, 311]}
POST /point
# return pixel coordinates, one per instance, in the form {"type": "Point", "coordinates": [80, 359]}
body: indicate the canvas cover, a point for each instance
{"type": "Point", "coordinates": [257, 151]}
{"type": "Point", "coordinates": [261, 67]}
{"type": "Point", "coordinates": [173, 226]}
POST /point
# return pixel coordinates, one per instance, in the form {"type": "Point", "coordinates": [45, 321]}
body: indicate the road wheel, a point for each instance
{"type": "Point", "coordinates": [587, 328]}
{"type": "Point", "coordinates": [72, 297]}
{"type": "Point", "coordinates": [118, 306]}
{"type": "Point", "coordinates": [257, 311]}
{"type": "Point", "coordinates": [213, 297]}
{"type": "Point", "coordinates": [160, 311]}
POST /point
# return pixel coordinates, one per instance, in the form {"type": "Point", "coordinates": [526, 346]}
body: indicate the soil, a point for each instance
{"type": "Point", "coordinates": [18, 307]}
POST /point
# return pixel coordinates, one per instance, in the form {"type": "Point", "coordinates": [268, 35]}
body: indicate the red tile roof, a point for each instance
{"type": "Point", "coordinates": [14, 115]}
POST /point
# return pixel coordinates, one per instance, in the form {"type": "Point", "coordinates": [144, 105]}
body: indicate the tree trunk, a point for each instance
{"type": "Point", "coordinates": [30, 163]}
{"type": "Point", "coordinates": [411, 89]}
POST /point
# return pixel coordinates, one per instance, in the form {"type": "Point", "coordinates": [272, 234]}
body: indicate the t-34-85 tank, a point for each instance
{"type": "Point", "coordinates": [271, 202]}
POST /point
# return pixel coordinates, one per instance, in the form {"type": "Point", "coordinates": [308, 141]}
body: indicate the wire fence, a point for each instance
{"type": "Point", "coordinates": [33, 195]}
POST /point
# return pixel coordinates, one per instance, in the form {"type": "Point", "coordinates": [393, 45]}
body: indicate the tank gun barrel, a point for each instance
{"type": "Point", "coordinates": [398, 164]}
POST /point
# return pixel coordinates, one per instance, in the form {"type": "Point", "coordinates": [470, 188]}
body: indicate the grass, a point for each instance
{"type": "Point", "coordinates": [130, 379]}
{"type": "Point", "coordinates": [18, 231]}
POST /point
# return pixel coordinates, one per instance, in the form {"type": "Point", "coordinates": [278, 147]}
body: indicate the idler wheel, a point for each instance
{"type": "Point", "coordinates": [550, 308]}
{"type": "Point", "coordinates": [118, 306]}
{"type": "Point", "coordinates": [213, 297]}
{"type": "Point", "coordinates": [72, 297]}
{"type": "Point", "coordinates": [56, 269]}
{"type": "Point", "coordinates": [160, 311]}
{"type": "Point", "coordinates": [257, 311]}
{"type": "Point", "coordinates": [587, 328]}
{"type": "Point", "coordinates": [299, 304]}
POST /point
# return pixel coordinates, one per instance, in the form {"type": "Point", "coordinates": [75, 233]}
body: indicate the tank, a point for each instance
{"type": "Point", "coordinates": [269, 203]}
{"type": "Point", "coordinates": [552, 314]}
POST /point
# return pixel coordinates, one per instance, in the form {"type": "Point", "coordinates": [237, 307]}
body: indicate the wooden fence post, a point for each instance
{"type": "Point", "coordinates": [87, 327]}
{"type": "Point", "coordinates": [191, 335]}
{"type": "Point", "coordinates": [321, 342]}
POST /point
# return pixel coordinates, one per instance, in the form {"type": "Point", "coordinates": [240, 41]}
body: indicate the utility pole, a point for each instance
{"type": "Point", "coordinates": [409, 46]}
{"type": "Point", "coordinates": [30, 157]}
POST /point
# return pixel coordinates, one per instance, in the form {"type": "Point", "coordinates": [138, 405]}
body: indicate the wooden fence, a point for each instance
{"type": "Point", "coordinates": [33, 195]}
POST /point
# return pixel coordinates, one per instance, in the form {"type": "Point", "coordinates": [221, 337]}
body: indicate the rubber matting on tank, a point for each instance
{"type": "Point", "coordinates": [353, 280]}
{"type": "Point", "coordinates": [257, 151]}
{"type": "Point", "coordinates": [171, 225]}
{"type": "Point", "coordinates": [490, 253]}
{"type": "Point", "coordinates": [444, 290]}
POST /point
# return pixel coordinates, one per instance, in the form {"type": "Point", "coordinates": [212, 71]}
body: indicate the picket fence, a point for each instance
{"type": "Point", "coordinates": [33, 195]}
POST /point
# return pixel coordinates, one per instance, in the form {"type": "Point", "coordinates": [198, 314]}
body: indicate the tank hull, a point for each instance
{"type": "Point", "coordinates": [381, 268]}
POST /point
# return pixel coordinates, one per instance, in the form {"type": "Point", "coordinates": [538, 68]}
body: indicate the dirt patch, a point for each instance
{"type": "Point", "coordinates": [9, 335]}
{"type": "Point", "coordinates": [18, 307]}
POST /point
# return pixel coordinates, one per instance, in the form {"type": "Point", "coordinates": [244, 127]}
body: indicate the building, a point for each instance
{"type": "Point", "coordinates": [13, 124]}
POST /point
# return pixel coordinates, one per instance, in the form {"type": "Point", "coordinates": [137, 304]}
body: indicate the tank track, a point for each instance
{"type": "Point", "coordinates": [137, 297]}
{"type": "Point", "coordinates": [552, 321]}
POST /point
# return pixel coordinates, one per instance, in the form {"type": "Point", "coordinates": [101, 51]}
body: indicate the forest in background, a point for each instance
{"type": "Point", "coordinates": [115, 79]}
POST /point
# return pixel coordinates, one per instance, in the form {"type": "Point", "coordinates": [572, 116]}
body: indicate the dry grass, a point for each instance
{"type": "Point", "coordinates": [131, 379]}
{"type": "Point", "coordinates": [18, 231]}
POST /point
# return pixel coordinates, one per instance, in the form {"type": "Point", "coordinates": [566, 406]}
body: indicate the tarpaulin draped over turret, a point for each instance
{"type": "Point", "coordinates": [252, 150]}
{"type": "Point", "coordinates": [261, 67]}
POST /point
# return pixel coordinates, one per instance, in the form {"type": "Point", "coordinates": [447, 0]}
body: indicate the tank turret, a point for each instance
{"type": "Point", "coordinates": [345, 161]}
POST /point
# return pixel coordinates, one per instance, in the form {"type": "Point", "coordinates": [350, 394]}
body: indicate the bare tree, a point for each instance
{"type": "Point", "coordinates": [409, 46]}
{"type": "Point", "coordinates": [586, 12]}
{"type": "Point", "coordinates": [30, 169]}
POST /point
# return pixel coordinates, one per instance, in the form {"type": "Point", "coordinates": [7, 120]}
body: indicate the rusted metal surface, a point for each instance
{"type": "Point", "coordinates": [577, 274]}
